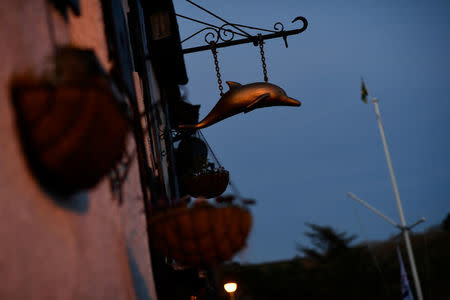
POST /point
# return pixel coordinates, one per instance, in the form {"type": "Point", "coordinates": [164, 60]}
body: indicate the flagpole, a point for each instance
{"type": "Point", "coordinates": [376, 211]}
{"type": "Point", "coordinates": [405, 229]}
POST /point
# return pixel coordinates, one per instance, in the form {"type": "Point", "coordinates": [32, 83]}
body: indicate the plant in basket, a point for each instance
{"type": "Point", "coordinates": [203, 234]}
{"type": "Point", "coordinates": [208, 182]}
{"type": "Point", "coordinates": [198, 176]}
{"type": "Point", "coordinates": [71, 124]}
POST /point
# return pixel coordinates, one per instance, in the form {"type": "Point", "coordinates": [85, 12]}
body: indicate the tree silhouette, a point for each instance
{"type": "Point", "coordinates": [334, 263]}
{"type": "Point", "coordinates": [334, 268]}
{"type": "Point", "coordinates": [327, 242]}
{"type": "Point", "coordinates": [446, 223]}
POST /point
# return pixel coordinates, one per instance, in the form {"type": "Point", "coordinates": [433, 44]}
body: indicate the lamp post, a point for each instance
{"type": "Point", "coordinates": [230, 288]}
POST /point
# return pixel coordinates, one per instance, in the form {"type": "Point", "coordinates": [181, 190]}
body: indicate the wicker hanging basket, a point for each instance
{"type": "Point", "coordinates": [73, 130]}
{"type": "Point", "coordinates": [209, 184]}
{"type": "Point", "coordinates": [201, 236]}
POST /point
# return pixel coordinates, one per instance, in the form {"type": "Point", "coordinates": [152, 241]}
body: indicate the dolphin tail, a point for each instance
{"type": "Point", "coordinates": [187, 126]}
{"type": "Point", "coordinates": [191, 126]}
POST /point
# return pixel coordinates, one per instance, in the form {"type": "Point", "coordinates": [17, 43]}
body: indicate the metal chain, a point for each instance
{"type": "Point", "coordinates": [263, 59]}
{"type": "Point", "coordinates": [216, 63]}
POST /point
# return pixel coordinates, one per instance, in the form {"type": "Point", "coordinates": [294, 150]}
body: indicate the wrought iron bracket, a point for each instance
{"type": "Point", "coordinates": [223, 36]}
{"type": "Point", "coordinates": [216, 34]}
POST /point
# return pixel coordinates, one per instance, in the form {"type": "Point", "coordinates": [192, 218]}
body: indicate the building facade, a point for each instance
{"type": "Point", "coordinates": [90, 243]}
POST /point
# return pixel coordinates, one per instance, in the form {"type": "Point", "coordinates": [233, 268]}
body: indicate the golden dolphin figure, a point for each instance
{"type": "Point", "coordinates": [245, 98]}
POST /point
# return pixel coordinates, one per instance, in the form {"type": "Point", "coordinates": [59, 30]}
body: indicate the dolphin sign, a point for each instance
{"type": "Point", "coordinates": [245, 98]}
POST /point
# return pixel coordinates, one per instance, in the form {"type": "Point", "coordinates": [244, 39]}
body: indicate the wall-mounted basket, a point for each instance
{"type": "Point", "coordinates": [209, 183]}
{"type": "Point", "coordinates": [202, 235]}
{"type": "Point", "coordinates": [72, 127]}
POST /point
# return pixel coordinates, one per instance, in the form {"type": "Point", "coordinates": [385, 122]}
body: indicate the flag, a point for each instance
{"type": "Point", "coordinates": [405, 289]}
{"type": "Point", "coordinates": [364, 92]}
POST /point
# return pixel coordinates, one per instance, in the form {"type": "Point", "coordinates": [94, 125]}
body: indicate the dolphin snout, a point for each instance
{"type": "Point", "coordinates": [288, 101]}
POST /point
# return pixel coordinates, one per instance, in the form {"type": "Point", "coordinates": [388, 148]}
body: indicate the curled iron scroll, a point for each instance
{"type": "Point", "coordinates": [223, 33]}
{"type": "Point", "coordinates": [278, 26]}
{"type": "Point", "coordinates": [212, 36]}
{"type": "Point", "coordinates": [304, 21]}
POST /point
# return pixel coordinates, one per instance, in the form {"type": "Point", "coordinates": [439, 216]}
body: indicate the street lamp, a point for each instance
{"type": "Point", "coordinates": [230, 288]}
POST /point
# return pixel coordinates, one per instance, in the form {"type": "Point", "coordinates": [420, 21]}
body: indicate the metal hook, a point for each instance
{"type": "Point", "coordinates": [304, 21]}
{"type": "Point", "coordinates": [305, 24]}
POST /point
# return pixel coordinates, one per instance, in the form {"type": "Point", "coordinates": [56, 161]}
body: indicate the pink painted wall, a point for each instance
{"type": "Point", "coordinates": [85, 246]}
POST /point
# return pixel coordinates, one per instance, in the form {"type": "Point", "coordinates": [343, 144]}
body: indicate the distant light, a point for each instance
{"type": "Point", "coordinates": [230, 287]}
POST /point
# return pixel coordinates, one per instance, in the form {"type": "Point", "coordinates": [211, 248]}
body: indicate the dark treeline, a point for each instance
{"type": "Point", "coordinates": [334, 269]}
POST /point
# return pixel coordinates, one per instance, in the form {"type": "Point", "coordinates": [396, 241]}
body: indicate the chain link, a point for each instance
{"type": "Point", "coordinates": [216, 63]}
{"type": "Point", "coordinates": [263, 58]}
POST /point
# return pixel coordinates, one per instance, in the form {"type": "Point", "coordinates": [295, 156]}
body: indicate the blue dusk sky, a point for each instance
{"type": "Point", "coordinates": [299, 163]}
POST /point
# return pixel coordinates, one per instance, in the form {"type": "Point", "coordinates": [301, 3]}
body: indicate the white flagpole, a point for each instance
{"type": "Point", "coordinates": [405, 230]}
{"type": "Point", "coordinates": [376, 211]}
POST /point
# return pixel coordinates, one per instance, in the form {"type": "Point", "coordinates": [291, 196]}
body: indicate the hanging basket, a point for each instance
{"type": "Point", "coordinates": [209, 184]}
{"type": "Point", "coordinates": [73, 130]}
{"type": "Point", "coordinates": [201, 236]}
